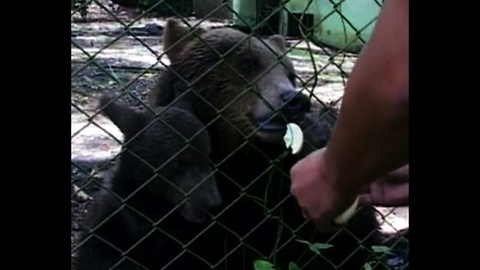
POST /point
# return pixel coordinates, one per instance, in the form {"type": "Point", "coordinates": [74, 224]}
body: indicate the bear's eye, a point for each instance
{"type": "Point", "coordinates": [250, 64]}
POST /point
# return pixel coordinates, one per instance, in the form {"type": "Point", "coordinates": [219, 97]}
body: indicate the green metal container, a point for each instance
{"type": "Point", "coordinates": [247, 13]}
{"type": "Point", "coordinates": [347, 27]}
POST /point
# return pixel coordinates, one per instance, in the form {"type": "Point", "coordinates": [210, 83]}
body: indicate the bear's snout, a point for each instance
{"type": "Point", "coordinates": [295, 105]}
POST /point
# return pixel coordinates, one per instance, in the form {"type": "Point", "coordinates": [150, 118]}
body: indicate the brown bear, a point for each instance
{"type": "Point", "coordinates": [244, 91]}
{"type": "Point", "coordinates": [158, 195]}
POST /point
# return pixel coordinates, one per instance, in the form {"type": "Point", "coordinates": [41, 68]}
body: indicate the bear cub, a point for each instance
{"type": "Point", "coordinates": [158, 196]}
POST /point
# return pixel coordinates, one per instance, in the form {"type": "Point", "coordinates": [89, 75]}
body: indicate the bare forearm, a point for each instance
{"type": "Point", "coordinates": [370, 139]}
{"type": "Point", "coordinates": [371, 135]}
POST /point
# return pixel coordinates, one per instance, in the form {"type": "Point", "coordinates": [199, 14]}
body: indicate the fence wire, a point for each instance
{"type": "Point", "coordinates": [166, 174]}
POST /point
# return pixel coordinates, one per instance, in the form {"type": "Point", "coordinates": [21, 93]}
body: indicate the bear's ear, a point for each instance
{"type": "Point", "coordinates": [128, 120]}
{"type": "Point", "coordinates": [176, 36]}
{"type": "Point", "coordinates": [279, 42]}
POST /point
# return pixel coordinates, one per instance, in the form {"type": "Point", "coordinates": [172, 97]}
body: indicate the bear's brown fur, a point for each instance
{"type": "Point", "coordinates": [244, 92]}
{"type": "Point", "coordinates": [228, 88]}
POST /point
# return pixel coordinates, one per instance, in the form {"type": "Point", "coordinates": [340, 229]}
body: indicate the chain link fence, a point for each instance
{"type": "Point", "coordinates": [177, 161]}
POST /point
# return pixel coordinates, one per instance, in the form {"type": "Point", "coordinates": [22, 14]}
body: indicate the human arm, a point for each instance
{"type": "Point", "coordinates": [370, 137]}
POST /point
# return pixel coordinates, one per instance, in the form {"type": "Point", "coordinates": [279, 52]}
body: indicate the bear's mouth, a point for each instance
{"type": "Point", "coordinates": [271, 126]}
{"type": "Point", "coordinates": [276, 125]}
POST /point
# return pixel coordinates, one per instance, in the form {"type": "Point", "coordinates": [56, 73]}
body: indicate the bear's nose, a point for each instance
{"type": "Point", "coordinates": [295, 104]}
{"type": "Point", "coordinates": [210, 193]}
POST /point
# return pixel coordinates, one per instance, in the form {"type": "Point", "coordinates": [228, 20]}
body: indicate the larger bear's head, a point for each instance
{"type": "Point", "coordinates": [244, 86]}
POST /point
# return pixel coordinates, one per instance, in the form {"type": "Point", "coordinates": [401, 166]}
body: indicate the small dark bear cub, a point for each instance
{"type": "Point", "coordinates": [158, 195]}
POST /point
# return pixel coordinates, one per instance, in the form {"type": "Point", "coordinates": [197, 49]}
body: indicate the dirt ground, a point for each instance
{"type": "Point", "coordinates": [105, 60]}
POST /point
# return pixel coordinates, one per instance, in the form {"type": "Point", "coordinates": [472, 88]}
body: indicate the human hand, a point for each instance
{"type": "Point", "coordinates": [320, 200]}
{"type": "Point", "coordinates": [391, 190]}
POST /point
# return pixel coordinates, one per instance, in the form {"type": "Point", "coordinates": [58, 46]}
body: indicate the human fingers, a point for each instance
{"type": "Point", "coordinates": [365, 199]}
{"type": "Point", "coordinates": [323, 225]}
{"type": "Point", "coordinates": [400, 175]}
{"type": "Point", "coordinates": [387, 195]}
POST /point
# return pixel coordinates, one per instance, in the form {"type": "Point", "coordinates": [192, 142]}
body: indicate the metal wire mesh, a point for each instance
{"type": "Point", "coordinates": [120, 51]}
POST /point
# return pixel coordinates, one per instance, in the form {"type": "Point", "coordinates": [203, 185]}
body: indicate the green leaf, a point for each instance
{"type": "Point", "coordinates": [316, 247]}
{"type": "Point", "coordinates": [262, 265]}
{"type": "Point", "coordinates": [367, 266]}
{"type": "Point", "coordinates": [293, 266]}
{"type": "Point", "coordinates": [381, 249]}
